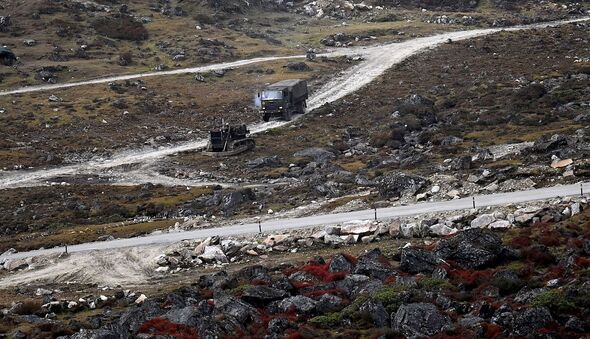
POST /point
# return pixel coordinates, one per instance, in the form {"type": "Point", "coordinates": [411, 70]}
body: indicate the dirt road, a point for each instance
{"type": "Point", "coordinates": [377, 59]}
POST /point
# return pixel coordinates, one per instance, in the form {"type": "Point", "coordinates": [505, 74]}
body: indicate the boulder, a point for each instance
{"type": "Point", "coordinates": [340, 263]}
{"type": "Point", "coordinates": [278, 326]}
{"type": "Point", "coordinates": [264, 162]}
{"type": "Point", "coordinates": [462, 163]}
{"type": "Point", "coordinates": [230, 306]}
{"type": "Point", "coordinates": [101, 333]}
{"type": "Point", "coordinates": [474, 248]}
{"type": "Point", "coordinates": [263, 295]}
{"type": "Point", "coordinates": [329, 303]}
{"type": "Point", "coordinates": [529, 320]}
{"type": "Point", "coordinates": [298, 66]}
{"type": "Point", "coordinates": [373, 264]}
{"type": "Point", "coordinates": [319, 155]}
{"type": "Point", "coordinates": [442, 230]}
{"type": "Point", "coordinates": [416, 260]}
{"type": "Point", "coordinates": [483, 220]}
{"type": "Point", "coordinates": [396, 184]}
{"type": "Point", "coordinates": [298, 303]}
{"type": "Point", "coordinates": [212, 254]}
{"type": "Point", "coordinates": [375, 313]}
{"type": "Point", "coordinates": [358, 227]}
{"type": "Point", "coordinates": [500, 224]}
{"type": "Point", "coordinates": [420, 320]}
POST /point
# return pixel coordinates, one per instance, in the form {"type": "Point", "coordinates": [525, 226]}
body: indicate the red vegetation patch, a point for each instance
{"type": "Point", "coordinates": [321, 271]}
{"type": "Point", "coordinates": [583, 262]}
{"type": "Point", "coordinates": [161, 326]}
{"type": "Point", "coordinates": [383, 260]}
{"type": "Point", "coordinates": [292, 334]}
{"type": "Point", "coordinates": [390, 280]}
{"type": "Point", "coordinates": [520, 241]}
{"type": "Point", "coordinates": [258, 282]}
{"type": "Point", "coordinates": [470, 278]}
{"type": "Point", "coordinates": [550, 238]}
{"type": "Point", "coordinates": [538, 256]}
{"type": "Point", "coordinates": [301, 284]}
{"type": "Point", "coordinates": [554, 272]}
{"type": "Point", "coordinates": [206, 293]}
{"type": "Point", "coordinates": [351, 258]}
{"type": "Point", "coordinates": [491, 330]}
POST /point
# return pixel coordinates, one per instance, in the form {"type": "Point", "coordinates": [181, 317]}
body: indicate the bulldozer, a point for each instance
{"type": "Point", "coordinates": [229, 140]}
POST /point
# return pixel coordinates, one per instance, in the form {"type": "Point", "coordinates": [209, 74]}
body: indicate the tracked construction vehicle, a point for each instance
{"type": "Point", "coordinates": [229, 140]}
{"type": "Point", "coordinates": [283, 99]}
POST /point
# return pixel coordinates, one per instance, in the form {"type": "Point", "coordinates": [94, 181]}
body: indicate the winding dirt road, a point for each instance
{"type": "Point", "coordinates": [377, 59]}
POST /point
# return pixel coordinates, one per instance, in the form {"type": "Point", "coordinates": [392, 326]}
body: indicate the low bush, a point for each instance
{"type": "Point", "coordinates": [121, 27]}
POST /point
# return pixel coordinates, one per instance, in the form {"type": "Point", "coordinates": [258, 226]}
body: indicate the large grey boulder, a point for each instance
{"type": "Point", "coordinates": [474, 248]}
{"type": "Point", "coordinates": [396, 184]}
{"type": "Point", "coordinates": [319, 155]}
{"type": "Point", "coordinates": [375, 313]}
{"type": "Point", "coordinates": [420, 320]}
{"type": "Point", "coordinates": [529, 320]}
{"type": "Point", "coordinates": [298, 303]}
{"type": "Point", "coordinates": [416, 260]}
{"type": "Point", "coordinates": [212, 254]}
{"type": "Point", "coordinates": [262, 295]}
{"type": "Point", "coordinates": [339, 263]}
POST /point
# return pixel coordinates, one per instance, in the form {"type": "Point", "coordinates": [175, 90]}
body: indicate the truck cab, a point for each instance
{"type": "Point", "coordinates": [283, 99]}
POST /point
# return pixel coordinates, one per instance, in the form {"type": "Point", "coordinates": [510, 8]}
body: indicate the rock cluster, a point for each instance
{"type": "Point", "coordinates": [220, 251]}
{"type": "Point", "coordinates": [473, 284]}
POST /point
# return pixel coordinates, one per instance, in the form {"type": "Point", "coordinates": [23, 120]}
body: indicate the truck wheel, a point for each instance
{"type": "Point", "coordinates": [303, 107]}
{"type": "Point", "coordinates": [287, 115]}
{"type": "Point", "coordinates": [266, 118]}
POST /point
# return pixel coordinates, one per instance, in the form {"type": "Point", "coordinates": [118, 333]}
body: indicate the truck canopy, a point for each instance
{"type": "Point", "coordinates": [297, 87]}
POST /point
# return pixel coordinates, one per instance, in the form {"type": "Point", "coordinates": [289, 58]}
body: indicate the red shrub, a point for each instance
{"type": "Point", "coordinates": [206, 293]}
{"type": "Point", "coordinates": [554, 272]}
{"type": "Point", "coordinates": [321, 271]}
{"type": "Point", "coordinates": [161, 326]}
{"type": "Point", "coordinates": [390, 280]}
{"type": "Point", "coordinates": [520, 242]}
{"type": "Point", "coordinates": [470, 278]}
{"type": "Point", "coordinates": [292, 334]}
{"type": "Point", "coordinates": [583, 262]}
{"type": "Point", "coordinates": [491, 330]}
{"type": "Point", "coordinates": [352, 259]}
{"type": "Point", "coordinates": [301, 284]}
{"type": "Point", "coordinates": [383, 260]}
{"type": "Point", "coordinates": [538, 256]}
{"type": "Point", "coordinates": [260, 282]}
{"type": "Point", "coordinates": [550, 238]}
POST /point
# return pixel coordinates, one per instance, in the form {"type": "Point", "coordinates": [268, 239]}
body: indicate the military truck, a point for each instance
{"type": "Point", "coordinates": [283, 99]}
{"type": "Point", "coordinates": [229, 140]}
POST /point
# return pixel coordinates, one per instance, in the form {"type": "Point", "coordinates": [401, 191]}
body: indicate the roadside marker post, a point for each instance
{"type": "Point", "coordinates": [473, 202]}
{"type": "Point", "coordinates": [581, 190]}
{"type": "Point", "coordinates": [259, 227]}
{"type": "Point", "coordinates": [375, 213]}
{"type": "Point", "coordinates": [66, 245]}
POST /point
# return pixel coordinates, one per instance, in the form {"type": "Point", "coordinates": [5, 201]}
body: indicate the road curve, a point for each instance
{"type": "Point", "coordinates": [324, 219]}
{"type": "Point", "coordinates": [377, 60]}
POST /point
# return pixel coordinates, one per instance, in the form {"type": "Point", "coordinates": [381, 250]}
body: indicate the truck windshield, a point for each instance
{"type": "Point", "coordinates": [272, 95]}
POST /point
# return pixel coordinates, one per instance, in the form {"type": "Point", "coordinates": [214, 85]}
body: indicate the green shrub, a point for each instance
{"type": "Point", "coordinates": [327, 321]}
{"type": "Point", "coordinates": [555, 300]}
{"type": "Point", "coordinates": [435, 283]}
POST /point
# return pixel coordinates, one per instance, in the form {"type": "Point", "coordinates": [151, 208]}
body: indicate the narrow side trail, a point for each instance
{"type": "Point", "coordinates": [377, 59]}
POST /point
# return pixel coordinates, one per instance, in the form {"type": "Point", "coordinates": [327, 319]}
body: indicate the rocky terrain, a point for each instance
{"type": "Point", "coordinates": [505, 112]}
{"type": "Point", "coordinates": [484, 281]}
